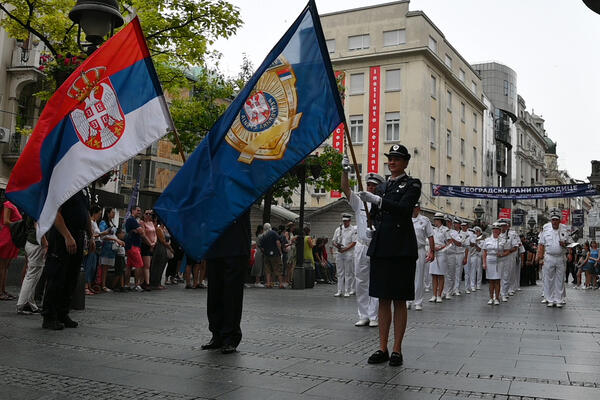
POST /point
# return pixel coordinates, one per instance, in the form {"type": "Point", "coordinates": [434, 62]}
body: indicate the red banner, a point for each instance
{"type": "Point", "coordinates": [374, 89]}
{"type": "Point", "coordinates": [338, 134]}
{"type": "Point", "coordinates": [565, 217]}
{"type": "Point", "coordinates": [505, 213]}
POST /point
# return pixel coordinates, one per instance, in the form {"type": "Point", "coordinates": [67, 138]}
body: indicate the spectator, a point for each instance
{"type": "Point", "coordinates": [91, 259]}
{"type": "Point", "coordinates": [36, 257]}
{"type": "Point", "coordinates": [192, 273]}
{"type": "Point", "coordinates": [147, 249]}
{"type": "Point", "coordinates": [257, 268]}
{"type": "Point", "coordinates": [292, 254]}
{"type": "Point", "coordinates": [590, 266]}
{"type": "Point", "coordinates": [161, 254]}
{"type": "Point", "coordinates": [8, 251]}
{"type": "Point", "coordinates": [119, 249]}
{"type": "Point", "coordinates": [135, 233]}
{"type": "Point", "coordinates": [270, 245]}
{"type": "Point", "coordinates": [174, 264]}
{"type": "Point", "coordinates": [108, 232]}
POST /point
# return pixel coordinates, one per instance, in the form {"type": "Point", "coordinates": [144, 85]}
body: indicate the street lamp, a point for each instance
{"type": "Point", "coordinates": [97, 18]}
{"type": "Point", "coordinates": [479, 211]}
{"type": "Point", "coordinates": [531, 223]}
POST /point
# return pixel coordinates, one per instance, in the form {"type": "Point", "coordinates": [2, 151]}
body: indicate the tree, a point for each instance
{"type": "Point", "coordinates": [179, 32]}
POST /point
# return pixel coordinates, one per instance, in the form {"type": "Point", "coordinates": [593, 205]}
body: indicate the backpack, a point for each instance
{"type": "Point", "coordinates": [19, 230]}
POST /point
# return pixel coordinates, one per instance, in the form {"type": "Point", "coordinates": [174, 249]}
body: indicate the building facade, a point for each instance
{"type": "Point", "coordinates": [406, 84]}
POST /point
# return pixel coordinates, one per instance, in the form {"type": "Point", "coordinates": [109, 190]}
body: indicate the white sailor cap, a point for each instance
{"type": "Point", "coordinates": [501, 222]}
{"type": "Point", "coordinates": [448, 217]}
{"type": "Point", "coordinates": [464, 223]}
{"type": "Point", "coordinates": [439, 215]}
{"type": "Point", "coordinates": [555, 214]}
{"type": "Point", "coordinates": [477, 228]}
{"type": "Point", "coordinates": [496, 225]}
{"type": "Point", "coordinates": [457, 220]}
{"type": "Point", "coordinates": [346, 217]}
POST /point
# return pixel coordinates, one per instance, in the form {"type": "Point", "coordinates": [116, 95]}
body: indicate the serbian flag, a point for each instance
{"type": "Point", "coordinates": [287, 109]}
{"type": "Point", "coordinates": [111, 108]}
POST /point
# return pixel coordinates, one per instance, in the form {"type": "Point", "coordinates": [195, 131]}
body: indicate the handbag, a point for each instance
{"type": "Point", "coordinates": [19, 231]}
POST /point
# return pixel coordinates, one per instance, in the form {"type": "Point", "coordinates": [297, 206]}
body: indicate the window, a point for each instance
{"type": "Point", "coordinates": [474, 122]}
{"type": "Point", "coordinates": [386, 171]}
{"type": "Point", "coordinates": [395, 37]}
{"type": "Point", "coordinates": [357, 83]}
{"type": "Point", "coordinates": [433, 86]}
{"type": "Point", "coordinates": [449, 103]}
{"type": "Point", "coordinates": [462, 112]}
{"type": "Point", "coordinates": [356, 128]}
{"type": "Point", "coordinates": [319, 191]}
{"type": "Point", "coordinates": [128, 170]}
{"type": "Point", "coordinates": [448, 61]}
{"type": "Point", "coordinates": [352, 175]}
{"type": "Point", "coordinates": [149, 175]}
{"type": "Point", "coordinates": [432, 131]}
{"type": "Point", "coordinates": [473, 86]}
{"type": "Point", "coordinates": [474, 158]}
{"type": "Point", "coordinates": [359, 42]}
{"type": "Point", "coordinates": [433, 44]}
{"type": "Point", "coordinates": [330, 45]}
{"type": "Point", "coordinates": [449, 143]}
{"type": "Point", "coordinates": [448, 180]}
{"type": "Point", "coordinates": [461, 75]}
{"type": "Point", "coordinates": [462, 151]}
{"type": "Point", "coordinates": [392, 126]}
{"type": "Point", "coordinates": [431, 175]}
{"type": "Point", "coordinates": [462, 201]}
{"type": "Point", "coordinates": [153, 149]}
{"type": "Point", "coordinates": [392, 79]}
{"type": "Point", "coordinates": [521, 139]}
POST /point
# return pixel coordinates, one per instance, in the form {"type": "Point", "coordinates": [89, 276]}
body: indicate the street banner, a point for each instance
{"type": "Point", "coordinates": [518, 217]}
{"type": "Point", "coordinates": [594, 218]}
{"type": "Point", "coordinates": [516, 192]}
{"type": "Point", "coordinates": [578, 218]}
{"type": "Point", "coordinates": [564, 217]}
{"type": "Point", "coordinates": [110, 109]}
{"type": "Point", "coordinates": [338, 134]}
{"type": "Point", "coordinates": [373, 134]}
{"type": "Point", "coordinates": [287, 109]}
{"type": "Point", "coordinates": [505, 213]}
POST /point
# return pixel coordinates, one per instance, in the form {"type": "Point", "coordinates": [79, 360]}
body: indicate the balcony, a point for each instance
{"type": "Point", "coordinates": [16, 144]}
{"type": "Point", "coordinates": [24, 59]}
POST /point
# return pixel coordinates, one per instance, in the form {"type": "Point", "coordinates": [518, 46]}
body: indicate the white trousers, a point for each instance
{"type": "Point", "coordinates": [367, 305]}
{"type": "Point", "coordinates": [516, 274]}
{"type": "Point", "coordinates": [468, 272]}
{"type": "Point", "coordinates": [451, 272]}
{"type": "Point", "coordinates": [554, 277]}
{"type": "Point", "coordinates": [507, 273]}
{"type": "Point", "coordinates": [427, 277]}
{"type": "Point", "coordinates": [419, 273]}
{"type": "Point", "coordinates": [34, 272]}
{"type": "Point", "coordinates": [344, 264]}
{"type": "Point", "coordinates": [459, 257]}
{"type": "Point", "coordinates": [476, 271]}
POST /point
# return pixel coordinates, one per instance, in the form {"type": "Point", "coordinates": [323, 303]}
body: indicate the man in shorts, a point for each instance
{"type": "Point", "coordinates": [270, 244]}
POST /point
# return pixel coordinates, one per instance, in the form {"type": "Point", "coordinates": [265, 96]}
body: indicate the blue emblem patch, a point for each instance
{"type": "Point", "coordinates": [259, 112]}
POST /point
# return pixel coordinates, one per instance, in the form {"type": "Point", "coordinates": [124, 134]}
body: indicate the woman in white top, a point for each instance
{"type": "Point", "coordinates": [493, 249]}
{"type": "Point", "coordinates": [439, 265]}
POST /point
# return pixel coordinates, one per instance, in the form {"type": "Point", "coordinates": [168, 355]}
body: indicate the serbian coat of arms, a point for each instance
{"type": "Point", "coordinates": [264, 125]}
{"type": "Point", "coordinates": [98, 118]}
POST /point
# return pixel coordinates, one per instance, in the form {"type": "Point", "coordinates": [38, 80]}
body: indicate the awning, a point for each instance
{"type": "Point", "coordinates": [109, 199]}
{"type": "Point", "coordinates": [282, 212]}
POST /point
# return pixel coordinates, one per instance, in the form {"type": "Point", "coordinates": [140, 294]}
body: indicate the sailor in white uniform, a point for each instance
{"type": "Point", "coordinates": [461, 254]}
{"type": "Point", "coordinates": [344, 239]}
{"type": "Point", "coordinates": [367, 306]}
{"type": "Point", "coordinates": [551, 253]}
{"type": "Point", "coordinates": [439, 266]}
{"type": "Point", "coordinates": [450, 258]}
{"type": "Point", "coordinates": [493, 251]}
{"type": "Point", "coordinates": [467, 242]}
{"type": "Point", "coordinates": [507, 262]}
{"type": "Point", "coordinates": [475, 261]}
{"type": "Point", "coordinates": [424, 234]}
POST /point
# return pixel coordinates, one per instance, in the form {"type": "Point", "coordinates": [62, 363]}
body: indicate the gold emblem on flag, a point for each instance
{"type": "Point", "coordinates": [263, 127]}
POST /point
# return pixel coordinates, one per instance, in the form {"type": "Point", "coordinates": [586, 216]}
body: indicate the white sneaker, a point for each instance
{"type": "Point", "coordinates": [438, 299]}
{"type": "Point", "coordinates": [559, 305]}
{"type": "Point", "coordinates": [259, 285]}
{"type": "Point", "coordinates": [408, 305]}
{"type": "Point", "coordinates": [544, 301]}
{"type": "Point", "coordinates": [518, 289]}
{"type": "Point", "coordinates": [346, 294]}
{"type": "Point", "coordinates": [432, 299]}
{"type": "Point", "coordinates": [338, 294]}
{"type": "Point", "coordinates": [138, 288]}
{"type": "Point", "coordinates": [550, 304]}
{"type": "Point", "coordinates": [478, 287]}
{"type": "Point", "coordinates": [563, 301]}
{"type": "Point", "coordinates": [352, 294]}
{"type": "Point", "coordinates": [362, 322]}
{"type": "Point", "coordinates": [457, 293]}
{"type": "Point", "coordinates": [504, 299]}
{"type": "Point", "coordinates": [467, 291]}
{"type": "Point", "coordinates": [496, 302]}
{"type": "Point", "coordinates": [427, 290]}
{"type": "Point", "coordinates": [448, 297]}
{"type": "Point", "coordinates": [490, 301]}
{"type": "Point", "coordinates": [418, 307]}
{"type": "Point", "coordinates": [373, 323]}
{"type": "Point", "coordinates": [511, 293]}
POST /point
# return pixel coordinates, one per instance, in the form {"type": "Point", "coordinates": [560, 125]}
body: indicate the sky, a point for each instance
{"type": "Point", "coordinates": [553, 45]}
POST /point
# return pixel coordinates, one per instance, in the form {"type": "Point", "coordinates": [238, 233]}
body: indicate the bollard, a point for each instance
{"type": "Point", "coordinates": [299, 278]}
{"type": "Point", "coordinates": [309, 275]}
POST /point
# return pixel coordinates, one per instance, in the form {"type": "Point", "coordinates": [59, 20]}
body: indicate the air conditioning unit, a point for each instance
{"type": "Point", "coordinates": [4, 135]}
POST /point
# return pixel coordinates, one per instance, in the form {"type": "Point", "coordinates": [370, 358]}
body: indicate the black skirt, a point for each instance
{"type": "Point", "coordinates": [393, 278]}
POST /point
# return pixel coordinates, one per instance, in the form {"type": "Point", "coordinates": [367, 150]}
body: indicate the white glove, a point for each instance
{"type": "Point", "coordinates": [369, 197]}
{"type": "Point", "coordinates": [369, 233]}
{"type": "Point", "coordinates": [346, 163]}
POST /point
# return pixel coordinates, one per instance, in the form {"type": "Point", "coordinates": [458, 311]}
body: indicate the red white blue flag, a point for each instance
{"type": "Point", "coordinates": [111, 108]}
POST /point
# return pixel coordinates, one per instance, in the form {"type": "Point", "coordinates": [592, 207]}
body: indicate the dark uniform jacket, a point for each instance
{"type": "Point", "coordinates": [394, 234]}
{"type": "Point", "coordinates": [234, 242]}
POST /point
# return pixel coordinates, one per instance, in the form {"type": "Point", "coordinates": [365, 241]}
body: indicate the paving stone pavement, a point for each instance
{"type": "Point", "coordinates": [302, 344]}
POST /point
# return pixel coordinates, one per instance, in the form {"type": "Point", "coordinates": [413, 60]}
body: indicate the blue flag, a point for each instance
{"type": "Point", "coordinates": [287, 109]}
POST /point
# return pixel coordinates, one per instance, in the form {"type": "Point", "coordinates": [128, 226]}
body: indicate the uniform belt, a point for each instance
{"type": "Point", "coordinates": [555, 254]}
{"type": "Point", "coordinates": [363, 242]}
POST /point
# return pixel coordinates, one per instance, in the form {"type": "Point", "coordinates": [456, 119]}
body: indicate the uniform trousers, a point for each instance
{"type": "Point", "coordinates": [427, 277]}
{"type": "Point", "coordinates": [476, 271]}
{"type": "Point", "coordinates": [367, 305]}
{"type": "Point", "coordinates": [419, 272]}
{"type": "Point", "coordinates": [225, 297]}
{"type": "Point", "coordinates": [515, 280]}
{"type": "Point", "coordinates": [35, 266]}
{"type": "Point", "coordinates": [344, 263]}
{"type": "Point", "coordinates": [468, 268]}
{"type": "Point", "coordinates": [450, 273]}
{"type": "Point", "coordinates": [458, 270]}
{"type": "Point", "coordinates": [507, 271]}
{"type": "Point", "coordinates": [554, 282]}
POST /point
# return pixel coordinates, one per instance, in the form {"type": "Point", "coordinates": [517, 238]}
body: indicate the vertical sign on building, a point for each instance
{"type": "Point", "coordinates": [338, 133]}
{"type": "Point", "coordinates": [505, 213]}
{"type": "Point", "coordinates": [374, 89]}
{"type": "Point", "coordinates": [565, 217]}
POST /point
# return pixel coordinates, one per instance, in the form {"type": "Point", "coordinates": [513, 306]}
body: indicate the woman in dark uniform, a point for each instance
{"type": "Point", "coordinates": [393, 251]}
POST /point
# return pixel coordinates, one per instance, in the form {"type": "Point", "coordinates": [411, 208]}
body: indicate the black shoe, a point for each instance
{"type": "Point", "coordinates": [69, 323]}
{"type": "Point", "coordinates": [228, 349]}
{"type": "Point", "coordinates": [213, 344]}
{"type": "Point", "coordinates": [146, 287]}
{"type": "Point", "coordinates": [379, 357]}
{"type": "Point", "coordinates": [53, 324]}
{"type": "Point", "coordinates": [395, 359]}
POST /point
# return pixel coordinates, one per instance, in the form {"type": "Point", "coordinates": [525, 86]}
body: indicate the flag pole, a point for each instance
{"type": "Point", "coordinates": [176, 135]}
{"type": "Point", "coordinates": [358, 177]}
